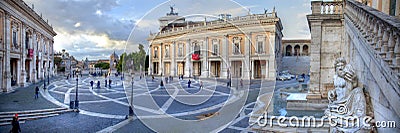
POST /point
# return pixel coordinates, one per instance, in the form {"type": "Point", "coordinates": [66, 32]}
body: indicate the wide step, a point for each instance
{"type": "Point", "coordinates": [6, 117]}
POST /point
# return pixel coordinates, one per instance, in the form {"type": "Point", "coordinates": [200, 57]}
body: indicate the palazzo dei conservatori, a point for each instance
{"type": "Point", "coordinates": [238, 47]}
{"type": "Point", "coordinates": [26, 45]}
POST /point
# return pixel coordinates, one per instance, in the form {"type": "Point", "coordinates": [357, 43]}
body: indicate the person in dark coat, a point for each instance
{"type": "Point", "coordinates": [105, 81]}
{"type": "Point", "coordinates": [36, 92]}
{"type": "Point", "coordinates": [91, 84]}
{"type": "Point", "coordinates": [98, 84]}
{"type": "Point", "coordinates": [109, 82]}
{"type": "Point", "coordinates": [189, 82]}
{"type": "Point", "coordinates": [15, 125]}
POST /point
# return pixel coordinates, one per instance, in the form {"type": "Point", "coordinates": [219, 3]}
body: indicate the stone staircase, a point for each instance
{"type": "Point", "coordinates": [6, 117]}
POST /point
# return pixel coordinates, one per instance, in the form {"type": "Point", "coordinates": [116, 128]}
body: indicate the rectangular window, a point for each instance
{"type": "Point", "coordinates": [166, 51]}
{"type": "Point", "coordinates": [260, 47]}
{"type": "Point", "coordinates": [14, 39]}
{"type": "Point", "coordinates": [155, 52]}
{"type": "Point", "coordinates": [215, 49]}
{"type": "Point", "coordinates": [392, 8]}
{"type": "Point", "coordinates": [180, 50]}
{"type": "Point", "coordinates": [236, 48]}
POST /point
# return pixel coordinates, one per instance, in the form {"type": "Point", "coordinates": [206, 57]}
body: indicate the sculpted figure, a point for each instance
{"type": "Point", "coordinates": [347, 100]}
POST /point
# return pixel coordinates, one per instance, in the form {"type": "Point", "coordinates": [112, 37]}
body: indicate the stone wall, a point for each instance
{"type": "Point", "coordinates": [296, 64]}
{"type": "Point", "coordinates": [371, 73]}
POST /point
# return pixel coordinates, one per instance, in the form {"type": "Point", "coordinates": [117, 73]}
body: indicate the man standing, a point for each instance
{"type": "Point", "coordinates": [91, 84]}
{"type": "Point", "coordinates": [15, 124]}
{"type": "Point", "coordinates": [36, 92]}
{"type": "Point", "coordinates": [109, 82]}
{"type": "Point", "coordinates": [105, 81]}
{"type": "Point", "coordinates": [189, 82]}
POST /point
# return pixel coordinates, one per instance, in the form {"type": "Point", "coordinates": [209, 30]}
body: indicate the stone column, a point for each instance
{"type": "Point", "coordinates": [204, 58]}
{"type": "Point", "coordinates": [188, 64]}
{"type": "Point", "coordinates": [150, 71]}
{"type": "Point", "coordinates": [225, 60]}
{"type": "Point", "coordinates": [22, 78]}
{"type": "Point", "coordinates": [252, 68]}
{"type": "Point", "coordinates": [35, 50]}
{"type": "Point", "coordinates": [270, 63]}
{"type": "Point", "coordinates": [246, 62]}
{"type": "Point", "coordinates": [173, 61]}
{"type": "Point", "coordinates": [315, 62]}
{"type": "Point", "coordinates": [7, 41]}
{"type": "Point", "coordinates": [161, 67]}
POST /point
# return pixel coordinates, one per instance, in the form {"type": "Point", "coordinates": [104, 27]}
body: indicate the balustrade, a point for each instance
{"type": "Point", "coordinates": [380, 30]}
{"type": "Point", "coordinates": [332, 7]}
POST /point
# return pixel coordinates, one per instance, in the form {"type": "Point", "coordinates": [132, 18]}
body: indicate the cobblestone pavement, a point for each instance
{"type": "Point", "coordinates": [23, 98]}
{"type": "Point", "coordinates": [106, 106]}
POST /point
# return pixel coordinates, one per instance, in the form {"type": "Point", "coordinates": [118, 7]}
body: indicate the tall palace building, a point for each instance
{"type": "Point", "coordinates": [26, 45]}
{"type": "Point", "coordinates": [238, 47]}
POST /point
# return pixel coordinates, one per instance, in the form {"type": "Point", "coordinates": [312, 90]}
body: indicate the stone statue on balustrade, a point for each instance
{"type": "Point", "coordinates": [347, 104]}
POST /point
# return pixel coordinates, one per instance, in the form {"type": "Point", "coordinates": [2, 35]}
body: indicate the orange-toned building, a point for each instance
{"type": "Point", "coordinates": [244, 47]}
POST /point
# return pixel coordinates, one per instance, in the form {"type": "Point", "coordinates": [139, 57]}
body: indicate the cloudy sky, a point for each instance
{"type": "Point", "coordinates": [96, 28]}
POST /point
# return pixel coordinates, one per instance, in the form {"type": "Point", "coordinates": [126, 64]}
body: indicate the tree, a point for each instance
{"type": "Point", "coordinates": [102, 65]}
{"type": "Point", "coordinates": [121, 62]}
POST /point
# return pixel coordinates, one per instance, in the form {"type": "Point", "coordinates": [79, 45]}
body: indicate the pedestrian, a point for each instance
{"type": "Point", "coordinates": [36, 92]}
{"type": "Point", "coordinates": [241, 82]}
{"type": "Point", "coordinates": [105, 81]}
{"type": "Point", "coordinates": [67, 77]}
{"type": "Point", "coordinates": [201, 84]}
{"type": "Point", "coordinates": [152, 77]}
{"type": "Point", "coordinates": [189, 82]}
{"type": "Point", "coordinates": [140, 77]}
{"type": "Point", "coordinates": [228, 84]}
{"type": "Point", "coordinates": [91, 84]}
{"type": "Point", "coordinates": [166, 79]}
{"type": "Point", "coordinates": [109, 83]}
{"type": "Point", "coordinates": [98, 84]}
{"type": "Point", "coordinates": [15, 125]}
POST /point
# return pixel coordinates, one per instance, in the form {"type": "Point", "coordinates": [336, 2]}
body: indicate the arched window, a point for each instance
{"type": "Point", "coordinates": [296, 50]}
{"type": "Point", "coordinates": [288, 50]}
{"type": "Point", "coordinates": [305, 50]}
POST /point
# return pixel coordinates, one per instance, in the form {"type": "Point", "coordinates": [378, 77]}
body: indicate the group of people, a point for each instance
{"type": "Point", "coordinates": [98, 83]}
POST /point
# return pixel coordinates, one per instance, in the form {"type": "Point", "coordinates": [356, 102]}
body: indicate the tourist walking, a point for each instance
{"type": "Point", "coordinates": [36, 92]}
{"type": "Point", "coordinates": [91, 84]}
{"type": "Point", "coordinates": [201, 84]}
{"type": "Point", "coordinates": [109, 82]}
{"type": "Point", "coordinates": [241, 82]}
{"type": "Point", "coordinates": [98, 84]}
{"type": "Point", "coordinates": [189, 82]}
{"type": "Point", "coordinates": [105, 81]}
{"type": "Point", "coordinates": [15, 125]}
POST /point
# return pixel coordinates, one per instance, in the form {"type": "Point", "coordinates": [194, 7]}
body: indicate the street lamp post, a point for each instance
{"type": "Point", "coordinates": [44, 81]}
{"type": "Point", "coordinates": [131, 106]}
{"type": "Point", "coordinates": [76, 95]}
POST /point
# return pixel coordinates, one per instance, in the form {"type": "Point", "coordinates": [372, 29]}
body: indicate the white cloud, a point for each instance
{"type": "Point", "coordinates": [76, 25]}
{"type": "Point", "coordinates": [99, 13]}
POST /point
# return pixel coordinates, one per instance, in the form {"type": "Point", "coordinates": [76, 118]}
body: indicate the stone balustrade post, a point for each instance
{"type": "Point", "coordinates": [397, 51]}
{"type": "Point", "coordinates": [385, 39]}
{"type": "Point", "coordinates": [391, 44]}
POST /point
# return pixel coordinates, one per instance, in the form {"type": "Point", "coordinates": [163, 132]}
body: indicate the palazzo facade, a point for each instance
{"type": "Point", "coordinates": [26, 45]}
{"type": "Point", "coordinates": [240, 47]}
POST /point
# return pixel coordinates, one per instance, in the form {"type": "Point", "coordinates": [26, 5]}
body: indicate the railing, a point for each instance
{"type": "Point", "coordinates": [380, 30]}
{"type": "Point", "coordinates": [333, 7]}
